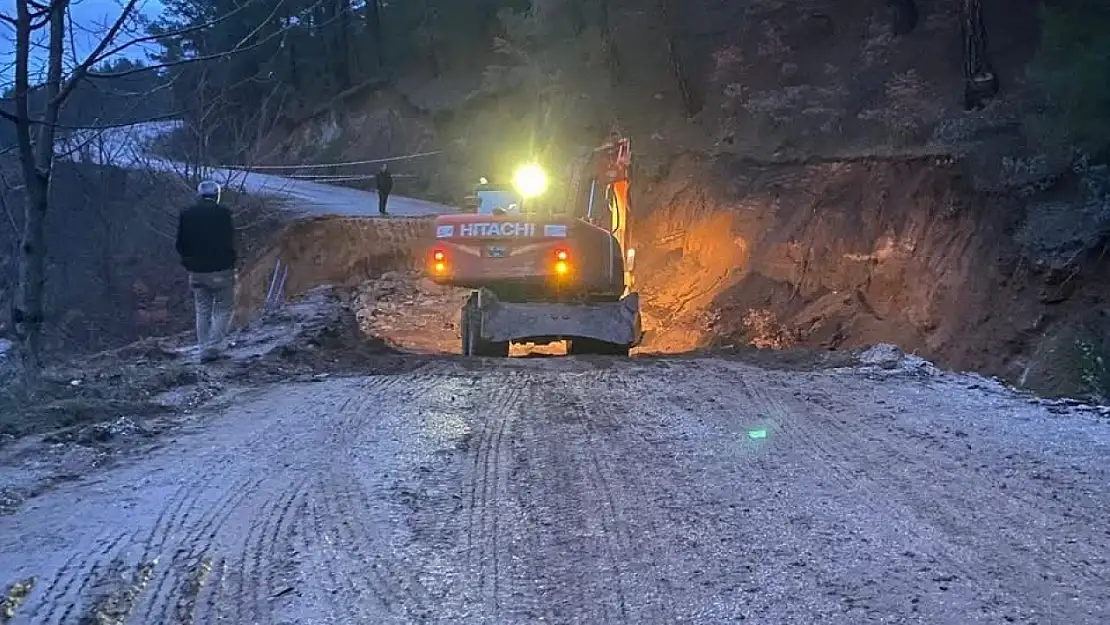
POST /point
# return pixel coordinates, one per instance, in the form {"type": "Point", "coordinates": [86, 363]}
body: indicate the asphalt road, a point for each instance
{"type": "Point", "coordinates": [328, 199]}
{"type": "Point", "coordinates": [126, 147]}
{"type": "Point", "coordinates": [590, 491]}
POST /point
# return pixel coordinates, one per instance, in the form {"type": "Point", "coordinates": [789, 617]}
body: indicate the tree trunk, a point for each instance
{"type": "Point", "coordinates": [32, 274]}
{"type": "Point", "coordinates": [577, 11]}
{"type": "Point", "coordinates": [689, 103]}
{"type": "Point", "coordinates": [37, 161]}
{"type": "Point", "coordinates": [374, 25]}
{"type": "Point", "coordinates": [343, 44]}
{"type": "Point", "coordinates": [612, 55]}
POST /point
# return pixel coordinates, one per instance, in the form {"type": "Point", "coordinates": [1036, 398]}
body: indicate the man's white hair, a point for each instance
{"type": "Point", "coordinates": [208, 189]}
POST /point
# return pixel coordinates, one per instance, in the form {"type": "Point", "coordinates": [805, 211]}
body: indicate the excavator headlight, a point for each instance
{"type": "Point", "coordinates": [438, 256]}
{"type": "Point", "coordinates": [530, 180]}
{"type": "Point", "coordinates": [561, 255]}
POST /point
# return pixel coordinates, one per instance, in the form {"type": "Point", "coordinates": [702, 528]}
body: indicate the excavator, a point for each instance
{"type": "Point", "coordinates": [542, 270]}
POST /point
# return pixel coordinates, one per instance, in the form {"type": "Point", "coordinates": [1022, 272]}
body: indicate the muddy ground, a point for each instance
{"type": "Point", "coordinates": [306, 481]}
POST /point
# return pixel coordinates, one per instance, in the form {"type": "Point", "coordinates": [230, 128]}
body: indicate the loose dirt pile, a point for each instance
{"type": "Point", "coordinates": [410, 313]}
{"type": "Point", "coordinates": [318, 334]}
{"type": "Point", "coordinates": [93, 411]}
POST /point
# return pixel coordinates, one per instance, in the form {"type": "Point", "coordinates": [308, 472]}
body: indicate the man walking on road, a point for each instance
{"type": "Point", "coordinates": [385, 185]}
{"type": "Point", "coordinates": [206, 244]}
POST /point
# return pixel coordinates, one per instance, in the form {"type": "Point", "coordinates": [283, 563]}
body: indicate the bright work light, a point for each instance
{"type": "Point", "coordinates": [530, 180]}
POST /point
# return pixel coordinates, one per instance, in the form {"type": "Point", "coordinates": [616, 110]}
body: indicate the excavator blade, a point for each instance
{"type": "Point", "coordinates": [612, 322]}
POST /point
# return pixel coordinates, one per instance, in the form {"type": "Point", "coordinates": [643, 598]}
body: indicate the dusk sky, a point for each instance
{"type": "Point", "coordinates": [91, 18]}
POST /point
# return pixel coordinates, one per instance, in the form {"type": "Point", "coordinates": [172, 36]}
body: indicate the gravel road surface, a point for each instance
{"type": "Point", "coordinates": [589, 491]}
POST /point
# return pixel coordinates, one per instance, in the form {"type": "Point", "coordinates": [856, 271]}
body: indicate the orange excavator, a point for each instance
{"type": "Point", "coordinates": [544, 270]}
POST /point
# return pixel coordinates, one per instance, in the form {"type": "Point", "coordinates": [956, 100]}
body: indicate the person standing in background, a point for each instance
{"type": "Point", "coordinates": [384, 181]}
{"type": "Point", "coordinates": [206, 244]}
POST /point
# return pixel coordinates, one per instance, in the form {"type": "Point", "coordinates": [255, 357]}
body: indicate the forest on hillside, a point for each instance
{"type": "Point", "coordinates": [239, 71]}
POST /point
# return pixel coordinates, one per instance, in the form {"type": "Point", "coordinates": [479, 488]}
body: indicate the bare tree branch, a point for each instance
{"type": "Point", "coordinates": [106, 41]}
{"type": "Point", "coordinates": [190, 29]}
{"type": "Point", "coordinates": [237, 49]}
{"type": "Point", "coordinates": [22, 89]}
{"type": "Point", "coordinates": [61, 126]}
{"type": "Point", "coordinates": [4, 205]}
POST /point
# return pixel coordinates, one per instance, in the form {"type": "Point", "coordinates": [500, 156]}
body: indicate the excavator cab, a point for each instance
{"type": "Point", "coordinates": [496, 199]}
{"type": "Point", "coordinates": [523, 197]}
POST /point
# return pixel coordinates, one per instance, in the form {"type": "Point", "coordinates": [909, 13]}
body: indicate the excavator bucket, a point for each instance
{"type": "Point", "coordinates": [616, 323]}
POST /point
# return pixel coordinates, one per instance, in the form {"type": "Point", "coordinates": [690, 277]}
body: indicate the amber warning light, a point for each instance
{"type": "Point", "coordinates": [440, 261]}
{"type": "Point", "coordinates": [561, 264]}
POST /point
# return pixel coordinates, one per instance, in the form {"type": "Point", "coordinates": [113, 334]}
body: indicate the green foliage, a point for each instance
{"type": "Point", "coordinates": [268, 63]}
{"type": "Point", "coordinates": [1073, 67]}
{"type": "Point", "coordinates": [1093, 365]}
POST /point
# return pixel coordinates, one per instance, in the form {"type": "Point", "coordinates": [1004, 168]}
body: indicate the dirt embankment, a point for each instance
{"type": "Point", "coordinates": [843, 254]}
{"type": "Point", "coordinates": [334, 251]}
{"type": "Point", "coordinates": [375, 264]}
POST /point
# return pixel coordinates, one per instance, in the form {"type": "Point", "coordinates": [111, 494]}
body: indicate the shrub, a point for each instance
{"type": "Point", "coordinates": [1072, 65]}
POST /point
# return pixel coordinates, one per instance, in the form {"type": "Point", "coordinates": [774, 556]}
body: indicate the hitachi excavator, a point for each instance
{"type": "Point", "coordinates": [543, 270]}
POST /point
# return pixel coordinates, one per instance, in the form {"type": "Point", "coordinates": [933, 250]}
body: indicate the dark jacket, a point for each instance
{"type": "Point", "coordinates": [206, 238]}
{"type": "Point", "coordinates": [384, 180]}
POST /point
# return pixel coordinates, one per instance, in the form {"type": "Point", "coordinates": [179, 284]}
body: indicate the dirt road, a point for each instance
{"type": "Point", "coordinates": [589, 491]}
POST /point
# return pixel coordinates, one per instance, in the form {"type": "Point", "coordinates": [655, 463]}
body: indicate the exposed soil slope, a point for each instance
{"type": "Point", "coordinates": [849, 253]}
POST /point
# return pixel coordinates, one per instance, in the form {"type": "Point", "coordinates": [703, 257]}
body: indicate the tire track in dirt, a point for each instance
{"type": "Point", "coordinates": [600, 411]}
{"type": "Point", "coordinates": [324, 579]}
{"type": "Point", "coordinates": [334, 489]}
{"type": "Point", "coordinates": [576, 558]}
{"type": "Point", "coordinates": [339, 584]}
{"type": "Point", "coordinates": [82, 571]}
{"type": "Point", "coordinates": [484, 486]}
{"type": "Point", "coordinates": [255, 564]}
{"type": "Point", "coordinates": [613, 527]}
{"type": "Point", "coordinates": [205, 606]}
{"type": "Point", "coordinates": [552, 499]}
{"type": "Point", "coordinates": [348, 505]}
{"type": "Point", "coordinates": [357, 501]}
{"type": "Point", "coordinates": [206, 596]}
{"type": "Point", "coordinates": [250, 568]}
{"type": "Point", "coordinates": [242, 576]}
{"type": "Point", "coordinates": [833, 449]}
{"type": "Point", "coordinates": [172, 517]}
{"type": "Point", "coordinates": [164, 598]}
{"type": "Point", "coordinates": [345, 524]}
{"type": "Point", "coordinates": [367, 579]}
{"type": "Point", "coordinates": [1014, 507]}
{"type": "Point", "coordinates": [278, 540]}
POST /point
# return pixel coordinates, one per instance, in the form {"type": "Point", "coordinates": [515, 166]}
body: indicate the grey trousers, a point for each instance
{"type": "Point", "coordinates": [214, 296]}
